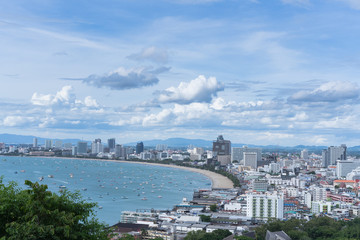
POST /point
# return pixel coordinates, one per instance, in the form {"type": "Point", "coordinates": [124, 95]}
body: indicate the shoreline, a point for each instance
{"type": "Point", "coordinates": [217, 180]}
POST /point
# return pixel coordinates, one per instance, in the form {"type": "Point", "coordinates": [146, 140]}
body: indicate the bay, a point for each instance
{"type": "Point", "coordinates": [115, 186]}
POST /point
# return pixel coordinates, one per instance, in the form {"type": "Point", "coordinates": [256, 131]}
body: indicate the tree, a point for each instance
{"type": "Point", "coordinates": [213, 208]}
{"type": "Point", "coordinates": [205, 218]}
{"type": "Point", "coordinates": [39, 214]}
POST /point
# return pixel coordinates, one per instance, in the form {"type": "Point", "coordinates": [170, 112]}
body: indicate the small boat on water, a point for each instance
{"type": "Point", "coordinates": [124, 197]}
{"type": "Point", "coordinates": [84, 189]}
{"type": "Point", "coordinates": [159, 196]}
{"type": "Point", "coordinates": [41, 178]}
{"type": "Point", "coordinates": [62, 187]}
{"type": "Point", "coordinates": [100, 207]}
{"type": "Point", "coordinates": [50, 176]}
{"type": "Point", "coordinates": [144, 199]}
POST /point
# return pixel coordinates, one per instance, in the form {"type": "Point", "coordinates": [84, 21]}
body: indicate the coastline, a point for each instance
{"type": "Point", "coordinates": [217, 180]}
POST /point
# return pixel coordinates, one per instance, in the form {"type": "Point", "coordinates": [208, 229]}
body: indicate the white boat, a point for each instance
{"type": "Point", "coordinates": [50, 176]}
{"type": "Point", "coordinates": [144, 199]}
{"type": "Point", "coordinates": [159, 196]}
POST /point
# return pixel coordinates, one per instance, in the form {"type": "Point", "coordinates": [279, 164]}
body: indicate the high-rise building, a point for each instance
{"type": "Point", "coordinates": [221, 146]}
{"type": "Point", "coordinates": [343, 167]}
{"type": "Point", "coordinates": [82, 147]}
{"type": "Point", "coordinates": [111, 144]}
{"type": "Point", "coordinates": [304, 154]}
{"type": "Point", "coordinates": [35, 142]}
{"type": "Point", "coordinates": [161, 147]}
{"type": "Point", "coordinates": [120, 151]}
{"type": "Point", "coordinates": [250, 159]}
{"type": "Point", "coordinates": [58, 144]}
{"type": "Point", "coordinates": [2, 145]}
{"type": "Point", "coordinates": [237, 153]}
{"type": "Point", "coordinates": [264, 206]}
{"type": "Point", "coordinates": [332, 154]}
{"type": "Point", "coordinates": [96, 147]}
{"type": "Point", "coordinates": [139, 147]}
{"type": "Point", "coordinates": [48, 143]}
{"type": "Point", "coordinates": [74, 150]}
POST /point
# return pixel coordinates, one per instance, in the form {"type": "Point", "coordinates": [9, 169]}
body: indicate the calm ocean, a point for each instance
{"type": "Point", "coordinates": [114, 186]}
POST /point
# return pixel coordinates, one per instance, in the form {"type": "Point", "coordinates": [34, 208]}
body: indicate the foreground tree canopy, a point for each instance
{"type": "Point", "coordinates": [39, 214]}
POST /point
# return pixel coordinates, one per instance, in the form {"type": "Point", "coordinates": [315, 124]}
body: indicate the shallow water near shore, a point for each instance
{"type": "Point", "coordinates": [115, 186]}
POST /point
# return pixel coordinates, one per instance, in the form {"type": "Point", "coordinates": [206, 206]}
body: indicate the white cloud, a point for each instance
{"type": "Point", "coordinates": [90, 102]}
{"type": "Point", "coordinates": [63, 97]}
{"type": "Point", "coordinates": [153, 54]}
{"type": "Point", "coordinates": [328, 92]}
{"type": "Point", "coordinates": [197, 90]}
{"type": "Point", "coordinates": [12, 121]}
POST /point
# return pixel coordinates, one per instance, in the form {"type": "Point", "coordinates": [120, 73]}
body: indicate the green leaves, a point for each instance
{"type": "Point", "coordinates": [37, 213]}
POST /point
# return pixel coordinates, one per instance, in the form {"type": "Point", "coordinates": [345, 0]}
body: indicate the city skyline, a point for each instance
{"type": "Point", "coordinates": [282, 72]}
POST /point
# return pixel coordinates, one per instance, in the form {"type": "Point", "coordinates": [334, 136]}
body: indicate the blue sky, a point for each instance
{"type": "Point", "coordinates": [259, 72]}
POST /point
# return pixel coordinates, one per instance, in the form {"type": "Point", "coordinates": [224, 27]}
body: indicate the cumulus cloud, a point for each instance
{"type": "Point", "coordinates": [64, 96]}
{"type": "Point", "coordinates": [12, 121]}
{"type": "Point", "coordinates": [122, 78]}
{"type": "Point", "coordinates": [200, 89]}
{"type": "Point", "coordinates": [328, 92]}
{"type": "Point", "coordinates": [152, 54]}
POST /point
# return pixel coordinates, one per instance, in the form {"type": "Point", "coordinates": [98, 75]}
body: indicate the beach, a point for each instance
{"type": "Point", "coordinates": [218, 180]}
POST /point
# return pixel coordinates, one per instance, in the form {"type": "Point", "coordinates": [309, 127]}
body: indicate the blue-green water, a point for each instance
{"type": "Point", "coordinates": [114, 186]}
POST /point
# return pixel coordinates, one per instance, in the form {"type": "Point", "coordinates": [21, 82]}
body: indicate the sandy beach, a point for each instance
{"type": "Point", "coordinates": [218, 180]}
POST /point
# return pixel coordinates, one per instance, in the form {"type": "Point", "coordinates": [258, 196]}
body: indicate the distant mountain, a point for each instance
{"type": "Point", "coordinates": [176, 143]}
{"type": "Point", "coordinates": [25, 139]}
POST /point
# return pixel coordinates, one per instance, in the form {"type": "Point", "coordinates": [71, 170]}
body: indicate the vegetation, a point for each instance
{"type": "Point", "coordinates": [205, 218]}
{"type": "Point", "coordinates": [219, 234]}
{"type": "Point", "coordinates": [213, 207]}
{"type": "Point", "coordinates": [319, 228]}
{"type": "Point", "coordinates": [38, 214]}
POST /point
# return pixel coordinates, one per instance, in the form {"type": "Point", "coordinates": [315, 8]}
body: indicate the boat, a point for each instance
{"type": "Point", "coordinates": [62, 187]}
{"type": "Point", "coordinates": [100, 207]}
{"type": "Point", "coordinates": [41, 178]}
{"type": "Point", "coordinates": [84, 189]}
{"type": "Point", "coordinates": [144, 199]}
{"type": "Point", "coordinates": [124, 197]}
{"type": "Point", "coordinates": [159, 196]}
{"type": "Point", "coordinates": [50, 176]}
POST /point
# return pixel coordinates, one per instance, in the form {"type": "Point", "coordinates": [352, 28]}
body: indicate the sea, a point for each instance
{"type": "Point", "coordinates": [114, 186]}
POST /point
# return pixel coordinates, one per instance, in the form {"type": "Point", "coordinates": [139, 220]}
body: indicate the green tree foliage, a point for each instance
{"type": "Point", "coordinates": [242, 238]}
{"type": "Point", "coordinates": [213, 208]}
{"type": "Point", "coordinates": [319, 228]}
{"type": "Point", "coordinates": [205, 218]}
{"type": "Point", "coordinates": [39, 214]}
{"type": "Point", "coordinates": [219, 234]}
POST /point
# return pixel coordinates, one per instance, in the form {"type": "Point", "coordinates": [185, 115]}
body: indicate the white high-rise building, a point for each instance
{"type": "Point", "coordinates": [250, 159]}
{"type": "Point", "coordinates": [320, 207]}
{"type": "Point", "coordinates": [161, 147]}
{"type": "Point", "coordinates": [35, 142]}
{"type": "Point", "coordinates": [319, 194]}
{"type": "Point", "coordinates": [58, 144]}
{"type": "Point", "coordinates": [48, 143]}
{"type": "Point", "coordinates": [304, 154]}
{"type": "Point", "coordinates": [237, 153]}
{"type": "Point", "coordinates": [265, 206]}
{"type": "Point", "coordinates": [97, 147]}
{"type": "Point", "coordinates": [343, 167]}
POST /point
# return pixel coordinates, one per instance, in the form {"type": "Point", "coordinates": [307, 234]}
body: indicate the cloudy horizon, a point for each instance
{"type": "Point", "coordinates": [281, 72]}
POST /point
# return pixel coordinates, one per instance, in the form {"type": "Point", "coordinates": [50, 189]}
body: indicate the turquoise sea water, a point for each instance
{"type": "Point", "coordinates": [114, 186]}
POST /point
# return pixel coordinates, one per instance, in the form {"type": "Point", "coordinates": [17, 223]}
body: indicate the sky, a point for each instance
{"type": "Point", "coordinates": [279, 72]}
